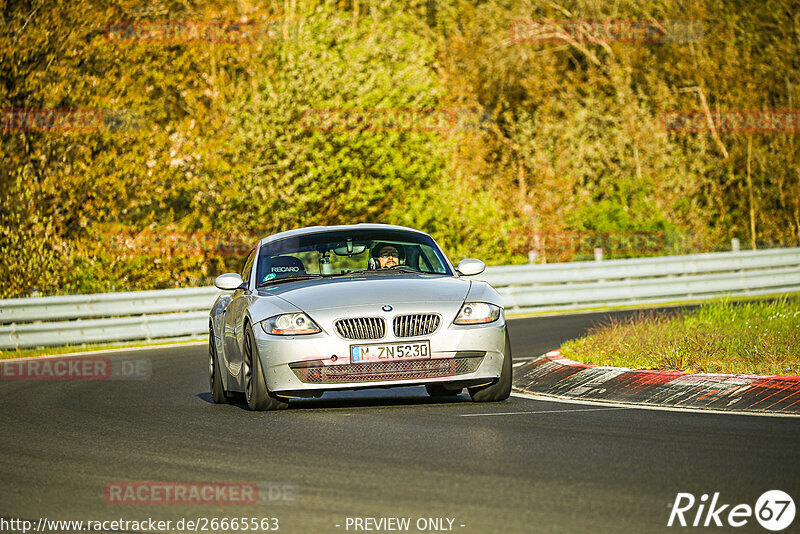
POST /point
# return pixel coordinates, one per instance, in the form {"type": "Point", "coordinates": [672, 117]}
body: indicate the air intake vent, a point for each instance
{"type": "Point", "coordinates": [361, 328]}
{"type": "Point", "coordinates": [418, 324]}
{"type": "Point", "coordinates": [311, 372]}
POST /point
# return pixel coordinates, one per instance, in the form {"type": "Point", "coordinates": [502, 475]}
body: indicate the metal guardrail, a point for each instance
{"type": "Point", "coordinates": [105, 317]}
{"type": "Point", "coordinates": [183, 313]}
{"type": "Point", "coordinates": [581, 285]}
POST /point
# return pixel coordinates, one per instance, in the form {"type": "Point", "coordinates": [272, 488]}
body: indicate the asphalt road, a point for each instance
{"type": "Point", "coordinates": [524, 465]}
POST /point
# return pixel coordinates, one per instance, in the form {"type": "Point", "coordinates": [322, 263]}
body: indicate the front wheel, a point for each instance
{"type": "Point", "coordinates": [259, 398]}
{"type": "Point", "coordinates": [501, 389]}
{"type": "Point", "coordinates": [214, 377]}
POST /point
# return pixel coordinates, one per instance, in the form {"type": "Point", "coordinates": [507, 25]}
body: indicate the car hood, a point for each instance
{"type": "Point", "coordinates": [350, 291]}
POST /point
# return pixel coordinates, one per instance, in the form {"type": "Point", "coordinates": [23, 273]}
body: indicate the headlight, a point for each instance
{"type": "Point", "coordinates": [290, 324]}
{"type": "Point", "coordinates": [477, 313]}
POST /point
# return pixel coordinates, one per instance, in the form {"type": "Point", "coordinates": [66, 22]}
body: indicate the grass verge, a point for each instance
{"type": "Point", "coordinates": [68, 349]}
{"type": "Point", "coordinates": [754, 337]}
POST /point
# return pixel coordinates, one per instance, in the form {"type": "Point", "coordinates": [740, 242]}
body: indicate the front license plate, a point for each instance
{"type": "Point", "coordinates": [389, 352]}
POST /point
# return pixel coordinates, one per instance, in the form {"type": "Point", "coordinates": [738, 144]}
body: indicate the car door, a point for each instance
{"type": "Point", "coordinates": [234, 318]}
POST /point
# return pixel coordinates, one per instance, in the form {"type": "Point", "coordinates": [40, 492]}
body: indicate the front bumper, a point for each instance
{"type": "Point", "coordinates": [303, 365]}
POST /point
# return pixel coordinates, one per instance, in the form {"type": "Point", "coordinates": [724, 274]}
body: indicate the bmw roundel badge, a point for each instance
{"type": "Point", "coordinates": [387, 308]}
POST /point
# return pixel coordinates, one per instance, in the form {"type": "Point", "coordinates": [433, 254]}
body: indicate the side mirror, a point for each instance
{"type": "Point", "coordinates": [228, 281]}
{"type": "Point", "coordinates": [470, 267]}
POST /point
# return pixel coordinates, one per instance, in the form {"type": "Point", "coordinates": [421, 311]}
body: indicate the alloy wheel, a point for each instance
{"type": "Point", "coordinates": [248, 368]}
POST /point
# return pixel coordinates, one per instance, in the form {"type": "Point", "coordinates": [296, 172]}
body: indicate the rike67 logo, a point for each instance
{"type": "Point", "coordinates": [774, 510]}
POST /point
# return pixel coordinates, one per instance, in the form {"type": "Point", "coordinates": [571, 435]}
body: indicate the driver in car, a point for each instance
{"type": "Point", "coordinates": [388, 256]}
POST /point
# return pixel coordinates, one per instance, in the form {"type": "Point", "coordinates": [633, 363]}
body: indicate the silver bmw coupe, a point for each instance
{"type": "Point", "coordinates": [348, 307]}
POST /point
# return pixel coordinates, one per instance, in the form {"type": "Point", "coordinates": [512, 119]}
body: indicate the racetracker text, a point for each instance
{"type": "Point", "coordinates": [198, 524]}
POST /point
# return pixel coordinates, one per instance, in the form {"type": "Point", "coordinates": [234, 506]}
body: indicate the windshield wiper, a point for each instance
{"type": "Point", "coordinates": [376, 271]}
{"type": "Point", "coordinates": [348, 273]}
{"type": "Point", "coordinates": [403, 270]}
{"type": "Point", "coordinates": [292, 278]}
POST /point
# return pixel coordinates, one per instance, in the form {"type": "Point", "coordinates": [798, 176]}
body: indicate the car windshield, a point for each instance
{"type": "Point", "coordinates": [342, 252]}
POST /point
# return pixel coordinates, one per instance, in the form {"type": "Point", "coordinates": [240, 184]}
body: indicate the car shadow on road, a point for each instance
{"type": "Point", "coordinates": [407, 396]}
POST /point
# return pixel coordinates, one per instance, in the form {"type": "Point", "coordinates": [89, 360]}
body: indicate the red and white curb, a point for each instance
{"type": "Point", "coordinates": [553, 374]}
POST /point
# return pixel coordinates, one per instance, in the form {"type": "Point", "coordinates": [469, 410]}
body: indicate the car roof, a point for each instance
{"type": "Point", "coordinates": [317, 229]}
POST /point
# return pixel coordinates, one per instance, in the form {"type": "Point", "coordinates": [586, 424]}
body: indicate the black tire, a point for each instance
{"type": "Point", "coordinates": [501, 389]}
{"type": "Point", "coordinates": [214, 377]}
{"type": "Point", "coordinates": [436, 390]}
{"type": "Point", "coordinates": [259, 398]}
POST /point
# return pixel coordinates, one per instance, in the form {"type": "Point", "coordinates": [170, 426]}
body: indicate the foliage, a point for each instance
{"type": "Point", "coordinates": [211, 137]}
